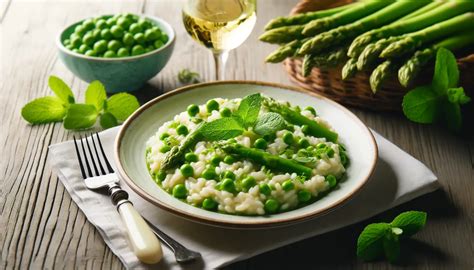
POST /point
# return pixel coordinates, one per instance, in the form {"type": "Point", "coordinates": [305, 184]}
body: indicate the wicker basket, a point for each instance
{"type": "Point", "coordinates": [356, 91]}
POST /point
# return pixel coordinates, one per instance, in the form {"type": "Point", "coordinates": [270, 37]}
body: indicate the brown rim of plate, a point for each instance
{"type": "Point", "coordinates": [253, 225]}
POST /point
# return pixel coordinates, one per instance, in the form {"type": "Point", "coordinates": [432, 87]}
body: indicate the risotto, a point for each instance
{"type": "Point", "coordinates": [250, 156]}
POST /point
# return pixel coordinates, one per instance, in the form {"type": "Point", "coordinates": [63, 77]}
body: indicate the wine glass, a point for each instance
{"type": "Point", "coordinates": [220, 25]}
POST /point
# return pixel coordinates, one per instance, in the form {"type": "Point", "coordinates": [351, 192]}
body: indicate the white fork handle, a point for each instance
{"type": "Point", "coordinates": [144, 242]}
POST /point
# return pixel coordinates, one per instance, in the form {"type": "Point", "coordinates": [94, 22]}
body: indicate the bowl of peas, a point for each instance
{"type": "Point", "coordinates": [123, 51]}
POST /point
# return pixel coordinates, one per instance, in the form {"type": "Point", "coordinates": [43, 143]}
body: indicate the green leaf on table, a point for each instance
{"type": "Point", "coordinates": [44, 110]}
{"type": "Point", "coordinates": [457, 95]}
{"type": "Point", "coordinates": [122, 105]}
{"type": "Point", "coordinates": [370, 241]}
{"type": "Point", "coordinates": [249, 109]}
{"type": "Point", "coordinates": [410, 222]}
{"type": "Point", "coordinates": [221, 129]}
{"type": "Point", "coordinates": [61, 89]}
{"type": "Point", "coordinates": [421, 105]}
{"type": "Point", "coordinates": [451, 115]}
{"type": "Point", "coordinates": [446, 74]}
{"type": "Point", "coordinates": [95, 95]}
{"type": "Point", "coordinates": [107, 120]}
{"type": "Point", "coordinates": [391, 247]}
{"type": "Point", "coordinates": [80, 116]}
{"type": "Point", "coordinates": [269, 123]}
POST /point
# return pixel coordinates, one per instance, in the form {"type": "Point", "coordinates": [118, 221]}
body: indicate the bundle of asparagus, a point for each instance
{"type": "Point", "coordinates": [385, 37]}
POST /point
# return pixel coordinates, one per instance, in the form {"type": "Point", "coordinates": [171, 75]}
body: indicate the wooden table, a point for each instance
{"type": "Point", "coordinates": [42, 228]}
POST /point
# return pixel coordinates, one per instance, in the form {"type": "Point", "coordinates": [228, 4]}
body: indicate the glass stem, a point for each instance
{"type": "Point", "coordinates": [220, 59]}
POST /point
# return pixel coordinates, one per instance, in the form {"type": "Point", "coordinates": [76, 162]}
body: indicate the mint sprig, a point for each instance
{"type": "Point", "coordinates": [384, 238]}
{"type": "Point", "coordinates": [441, 101]}
{"type": "Point", "coordinates": [75, 116]}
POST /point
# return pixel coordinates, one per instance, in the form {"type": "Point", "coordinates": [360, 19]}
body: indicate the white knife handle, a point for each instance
{"type": "Point", "coordinates": [144, 243]}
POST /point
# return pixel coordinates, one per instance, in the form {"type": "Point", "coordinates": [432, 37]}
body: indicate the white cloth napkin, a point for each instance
{"type": "Point", "coordinates": [398, 178]}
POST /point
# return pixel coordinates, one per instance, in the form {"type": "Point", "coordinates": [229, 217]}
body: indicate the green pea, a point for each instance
{"type": "Point", "coordinates": [164, 38]}
{"type": "Point", "coordinates": [331, 179]}
{"type": "Point", "coordinates": [161, 176]}
{"type": "Point", "coordinates": [66, 42]}
{"type": "Point", "coordinates": [165, 148]}
{"type": "Point", "coordinates": [344, 159]}
{"type": "Point", "coordinates": [149, 48]}
{"type": "Point", "coordinates": [271, 206]}
{"type": "Point", "coordinates": [130, 16]}
{"type": "Point", "coordinates": [144, 23]}
{"type": "Point", "coordinates": [228, 185]}
{"type": "Point", "coordinates": [303, 142]}
{"type": "Point", "coordinates": [288, 138]}
{"type": "Point", "coordinates": [137, 50]}
{"type": "Point", "coordinates": [123, 52]}
{"type": "Point", "coordinates": [310, 148]}
{"type": "Point", "coordinates": [100, 46]}
{"type": "Point", "coordinates": [106, 34]}
{"type": "Point", "coordinates": [70, 47]}
{"type": "Point", "coordinates": [88, 39]}
{"type": "Point", "coordinates": [180, 191]}
{"type": "Point", "coordinates": [95, 34]}
{"type": "Point", "coordinates": [76, 42]}
{"type": "Point", "coordinates": [124, 22]}
{"type": "Point", "coordinates": [117, 31]}
{"type": "Point", "coordinates": [158, 44]}
{"type": "Point", "coordinates": [110, 54]}
{"type": "Point", "coordinates": [260, 143]}
{"type": "Point", "coordinates": [84, 48]}
{"type": "Point", "coordinates": [193, 109]}
{"type": "Point", "coordinates": [101, 24]}
{"type": "Point", "coordinates": [225, 112]}
{"type": "Point", "coordinates": [330, 152]}
{"type": "Point", "coordinates": [191, 157]}
{"type": "Point", "coordinates": [212, 105]}
{"type": "Point", "coordinates": [209, 204]}
{"type": "Point", "coordinates": [111, 21]}
{"type": "Point", "coordinates": [209, 173]}
{"type": "Point", "coordinates": [229, 160]}
{"type": "Point", "coordinates": [304, 195]}
{"type": "Point", "coordinates": [287, 185]}
{"type": "Point", "coordinates": [248, 182]}
{"type": "Point", "coordinates": [182, 130]}
{"type": "Point", "coordinates": [151, 35]}
{"type": "Point", "coordinates": [187, 170]}
{"type": "Point", "coordinates": [215, 160]}
{"type": "Point", "coordinates": [265, 189]}
{"type": "Point", "coordinates": [269, 137]}
{"type": "Point", "coordinates": [139, 38]}
{"type": "Point", "coordinates": [128, 39]}
{"type": "Point", "coordinates": [229, 174]}
{"type": "Point", "coordinates": [164, 136]}
{"type": "Point", "coordinates": [320, 145]}
{"type": "Point", "coordinates": [135, 28]}
{"type": "Point", "coordinates": [76, 50]}
{"type": "Point", "coordinates": [311, 109]}
{"type": "Point", "coordinates": [88, 24]}
{"type": "Point", "coordinates": [90, 53]}
{"type": "Point", "coordinates": [114, 45]}
{"type": "Point", "coordinates": [305, 129]}
{"type": "Point", "coordinates": [80, 30]}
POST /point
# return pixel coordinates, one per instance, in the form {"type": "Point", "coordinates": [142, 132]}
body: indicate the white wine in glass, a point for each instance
{"type": "Point", "coordinates": [220, 25]}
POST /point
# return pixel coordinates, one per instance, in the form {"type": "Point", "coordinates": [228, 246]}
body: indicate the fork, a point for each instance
{"type": "Point", "coordinates": [140, 231]}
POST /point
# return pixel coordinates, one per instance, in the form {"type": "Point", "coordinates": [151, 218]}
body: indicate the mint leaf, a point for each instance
{"type": "Point", "coordinates": [107, 120]}
{"type": "Point", "coordinates": [80, 116]}
{"type": "Point", "coordinates": [44, 110]}
{"type": "Point", "coordinates": [451, 115]}
{"type": "Point", "coordinates": [410, 222]}
{"type": "Point", "coordinates": [421, 105]}
{"type": "Point", "coordinates": [391, 247]}
{"type": "Point", "coordinates": [269, 123]}
{"type": "Point", "coordinates": [249, 108]}
{"type": "Point", "coordinates": [370, 241]}
{"type": "Point", "coordinates": [457, 95]}
{"type": "Point", "coordinates": [446, 73]}
{"type": "Point", "coordinates": [122, 105]}
{"type": "Point", "coordinates": [95, 95]}
{"type": "Point", "coordinates": [221, 129]}
{"type": "Point", "coordinates": [61, 89]}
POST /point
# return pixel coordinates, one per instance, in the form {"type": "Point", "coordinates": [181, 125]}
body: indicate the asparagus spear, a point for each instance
{"type": "Point", "coordinates": [349, 69]}
{"type": "Point", "coordinates": [283, 34]}
{"type": "Point", "coordinates": [284, 51]}
{"type": "Point", "coordinates": [297, 118]}
{"type": "Point", "coordinates": [328, 59]}
{"type": "Point", "coordinates": [424, 9]}
{"type": "Point", "coordinates": [408, 25]}
{"type": "Point", "coordinates": [412, 67]}
{"type": "Point", "coordinates": [349, 31]}
{"type": "Point", "coordinates": [305, 17]}
{"type": "Point", "coordinates": [417, 39]}
{"type": "Point", "coordinates": [381, 73]}
{"type": "Point", "coordinates": [371, 53]}
{"type": "Point", "coordinates": [344, 17]}
{"type": "Point", "coordinates": [264, 158]}
{"type": "Point", "coordinates": [176, 154]}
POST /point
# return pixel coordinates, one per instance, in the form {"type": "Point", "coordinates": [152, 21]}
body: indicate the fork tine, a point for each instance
{"type": "Point", "coordinates": [96, 171]}
{"type": "Point", "coordinates": [83, 172]}
{"type": "Point", "coordinates": [85, 157]}
{"type": "Point", "coordinates": [103, 154]}
{"type": "Point", "coordinates": [97, 154]}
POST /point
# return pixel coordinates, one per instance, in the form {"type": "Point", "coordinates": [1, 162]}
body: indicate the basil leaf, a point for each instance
{"type": "Point", "coordinates": [95, 95]}
{"type": "Point", "coordinates": [61, 89]}
{"type": "Point", "coordinates": [421, 105]}
{"type": "Point", "coordinates": [370, 241]}
{"type": "Point", "coordinates": [80, 116]}
{"type": "Point", "coordinates": [44, 110]}
{"type": "Point", "coordinates": [269, 123]}
{"type": "Point", "coordinates": [249, 108]}
{"type": "Point", "coordinates": [446, 74]}
{"type": "Point", "coordinates": [221, 129]}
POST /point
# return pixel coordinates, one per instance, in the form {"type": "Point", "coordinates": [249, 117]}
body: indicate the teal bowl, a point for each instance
{"type": "Point", "coordinates": [122, 73]}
